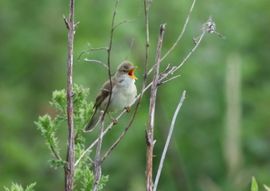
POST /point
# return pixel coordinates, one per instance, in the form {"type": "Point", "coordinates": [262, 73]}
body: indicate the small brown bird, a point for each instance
{"type": "Point", "coordinates": [123, 93]}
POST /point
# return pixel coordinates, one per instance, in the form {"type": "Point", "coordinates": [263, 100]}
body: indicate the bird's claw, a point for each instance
{"type": "Point", "coordinates": [127, 109]}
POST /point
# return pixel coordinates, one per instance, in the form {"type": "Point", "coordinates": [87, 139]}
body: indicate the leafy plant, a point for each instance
{"type": "Point", "coordinates": [17, 187]}
{"type": "Point", "coordinates": [49, 125]}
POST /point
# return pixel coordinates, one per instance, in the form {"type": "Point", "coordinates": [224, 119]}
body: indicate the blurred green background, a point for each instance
{"type": "Point", "coordinates": [222, 136]}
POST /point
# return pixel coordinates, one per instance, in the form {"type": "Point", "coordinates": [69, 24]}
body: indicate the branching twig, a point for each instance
{"type": "Point", "coordinates": [122, 22]}
{"type": "Point", "coordinates": [96, 61]}
{"type": "Point", "coordinates": [182, 32]}
{"type": "Point", "coordinates": [109, 127]}
{"type": "Point", "coordinates": [112, 147]}
{"type": "Point", "coordinates": [91, 50]}
{"type": "Point", "coordinates": [179, 36]}
{"type": "Point", "coordinates": [147, 36]}
{"type": "Point", "coordinates": [70, 159]}
{"type": "Point", "coordinates": [165, 81]}
{"type": "Point", "coordinates": [97, 163]}
{"type": "Point", "coordinates": [162, 77]}
{"type": "Point", "coordinates": [139, 98]}
{"type": "Point", "coordinates": [190, 52]}
{"type": "Point", "coordinates": [152, 107]}
{"type": "Point", "coordinates": [109, 57]}
{"type": "Point", "coordinates": [168, 139]}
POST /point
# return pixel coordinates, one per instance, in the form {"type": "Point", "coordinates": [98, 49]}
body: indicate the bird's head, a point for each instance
{"type": "Point", "coordinates": [127, 68]}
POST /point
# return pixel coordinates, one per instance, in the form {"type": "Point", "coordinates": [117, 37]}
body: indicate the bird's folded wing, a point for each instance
{"type": "Point", "coordinates": [104, 93]}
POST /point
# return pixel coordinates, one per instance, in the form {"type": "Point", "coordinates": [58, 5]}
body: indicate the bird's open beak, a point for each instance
{"type": "Point", "coordinates": [131, 74]}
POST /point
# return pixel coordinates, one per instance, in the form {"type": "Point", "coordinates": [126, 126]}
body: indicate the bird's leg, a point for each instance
{"type": "Point", "coordinates": [114, 121]}
{"type": "Point", "coordinates": [127, 108]}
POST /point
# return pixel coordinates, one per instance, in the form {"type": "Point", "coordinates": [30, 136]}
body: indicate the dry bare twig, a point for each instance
{"type": "Point", "coordinates": [121, 23]}
{"type": "Point", "coordinates": [181, 101]}
{"type": "Point", "coordinates": [163, 76]}
{"type": "Point", "coordinates": [147, 4]}
{"type": "Point", "coordinates": [182, 32]}
{"type": "Point", "coordinates": [179, 36]}
{"type": "Point", "coordinates": [152, 108]}
{"type": "Point", "coordinates": [70, 158]}
{"type": "Point", "coordinates": [168, 71]}
{"type": "Point", "coordinates": [109, 56]}
{"type": "Point", "coordinates": [96, 61]}
{"type": "Point", "coordinates": [97, 162]}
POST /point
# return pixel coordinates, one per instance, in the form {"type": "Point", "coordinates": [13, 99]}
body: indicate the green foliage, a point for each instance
{"type": "Point", "coordinates": [82, 111]}
{"type": "Point", "coordinates": [48, 127]}
{"type": "Point", "coordinates": [17, 187]}
{"type": "Point", "coordinates": [84, 177]}
{"type": "Point", "coordinates": [59, 101]}
{"type": "Point", "coordinates": [57, 163]}
{"type": "Point", "coordinates": [103, 181]}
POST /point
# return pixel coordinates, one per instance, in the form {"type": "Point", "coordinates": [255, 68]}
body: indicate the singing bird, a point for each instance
{"type": "Point", "coordinates": [123, 93]}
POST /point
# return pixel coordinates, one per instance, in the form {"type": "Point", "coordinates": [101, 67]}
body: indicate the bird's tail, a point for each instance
{"type": "Point", "coordinates": [94, 121]}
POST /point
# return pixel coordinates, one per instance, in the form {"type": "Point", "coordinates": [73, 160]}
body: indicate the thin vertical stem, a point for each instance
{"type": "Point", "coordinates": [109, 49]}
{"type": "Point", "coordinates": [152, 107]}
{"type": "Point", "coordinates": [169, 139]}
{"type": "Point", "coordinates": [147, 45]}
{"type": "Point", "coordinates": [147, 38]}
{"type": "Point", "coordinates": [97, 163]}
{"type": "Point", "coordinates": [70, 158]}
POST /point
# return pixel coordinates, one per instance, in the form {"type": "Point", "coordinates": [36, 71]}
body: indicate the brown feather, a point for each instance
{"type": "Point", "coordinates": [104, 93]}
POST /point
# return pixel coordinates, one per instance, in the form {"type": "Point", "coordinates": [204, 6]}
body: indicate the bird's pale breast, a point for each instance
{"type": "Point", "coordinates": [123, 96]}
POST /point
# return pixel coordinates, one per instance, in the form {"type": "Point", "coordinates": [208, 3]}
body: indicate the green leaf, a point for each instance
{"type": "Point", "coordinates": [17, 187]}
{"type": "Point", "coordinates": [30, 187]}
{"type": "Point", "coordinates": [59, 101]}
{"type": "Point", "coordinates": [82, 109]}
{"type": "Point", "coordinates": [103, 181]}
{"type": "Point", "coordinates": [84, 178]}
{"type": "Point", "coordinates": [254, 185]}
{"type": "Point", "coordinates": [56, 163]}
{"type": "Point", "coordinates": [48, 130]}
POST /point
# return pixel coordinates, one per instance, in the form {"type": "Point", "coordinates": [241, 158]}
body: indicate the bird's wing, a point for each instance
{"type": "Point", "coordinates": [104, 93]}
